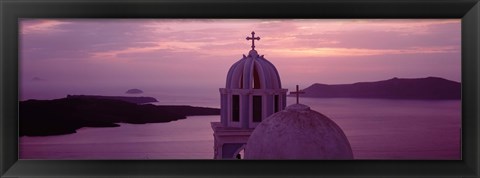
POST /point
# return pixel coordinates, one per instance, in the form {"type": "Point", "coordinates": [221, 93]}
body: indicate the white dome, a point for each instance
{"type": "Point", "coordinates": [253, 72]}
{"type": "Point", "coordinates": [298, 133]}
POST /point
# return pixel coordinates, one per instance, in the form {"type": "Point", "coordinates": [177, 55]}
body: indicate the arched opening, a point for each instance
{"type": "Point", "coordinates": [256, 78]}
{"type": "Point", "coordinates": [240, 153]}
{"type": "Point", "coordinates": [235, 108]}
{"type": "Point", "coordinates": [257, 109]}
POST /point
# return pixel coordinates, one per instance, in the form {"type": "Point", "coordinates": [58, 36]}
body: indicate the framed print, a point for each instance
{"type": "Point", "coordinates": [311, 88]}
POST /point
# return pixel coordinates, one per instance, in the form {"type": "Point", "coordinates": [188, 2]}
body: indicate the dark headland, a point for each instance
{"type": "Point", "coordinates": [136, 100]}
{"type": "Point", "coordinates": [66, 115]}
{"type": "Point", "coordinates": [430, 88]}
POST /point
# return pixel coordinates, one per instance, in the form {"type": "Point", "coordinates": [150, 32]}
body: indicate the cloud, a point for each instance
{"type": "Point", "coordinates": [201, 51]}
{"type": "Point", "coordinates": [29, 26]}
{"type": "Point", "coordinates": [370, 34]}
{"type": "Point", "coordinates": [104, 39]}
{"type": "Point", "coordinates": [353, 52]}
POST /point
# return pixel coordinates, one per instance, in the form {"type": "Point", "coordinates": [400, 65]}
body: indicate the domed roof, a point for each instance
{"type": "Point", "coordinates": [298, 133]}
{"type": "Point", "coordinates": [253, 72]}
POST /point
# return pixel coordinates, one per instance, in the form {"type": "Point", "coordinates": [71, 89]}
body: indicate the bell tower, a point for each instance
{"type": "Point", "coordinates": [253, 91]}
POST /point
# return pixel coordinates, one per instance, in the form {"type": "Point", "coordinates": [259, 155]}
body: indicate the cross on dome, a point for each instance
{"type": "Point", "coordinates": [297, 93]}
{"type": "Point", "coordinates": [253, 38]}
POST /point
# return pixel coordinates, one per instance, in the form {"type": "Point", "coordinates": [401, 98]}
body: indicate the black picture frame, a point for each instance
{"type": "Point", "coordinates": [12, 10]}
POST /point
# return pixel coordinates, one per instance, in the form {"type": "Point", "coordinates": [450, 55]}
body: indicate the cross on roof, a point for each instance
{"type": "Point", "coordinates": [253, 38]}
{"type": "Point", "coordinates": [297, 93]}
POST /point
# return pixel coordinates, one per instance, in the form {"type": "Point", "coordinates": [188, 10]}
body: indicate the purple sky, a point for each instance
{"type": "Point", "coordinates": [96, 56]}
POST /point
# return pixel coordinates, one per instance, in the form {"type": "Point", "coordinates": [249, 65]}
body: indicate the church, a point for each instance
{"type": "Point", "coordinates": [254, 118]}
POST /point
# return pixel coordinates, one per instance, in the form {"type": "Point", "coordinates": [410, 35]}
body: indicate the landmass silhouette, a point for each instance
{"type": "Point", "coordinates": [66, 115]}
{"type": "Point", "coordinates": [429, 88]}
{"type": "Point", "coordinates": [136, 100]}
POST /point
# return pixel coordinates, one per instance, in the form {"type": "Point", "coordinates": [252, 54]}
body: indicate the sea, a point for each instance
{"type": "Point", "coordinates": [377, 129]}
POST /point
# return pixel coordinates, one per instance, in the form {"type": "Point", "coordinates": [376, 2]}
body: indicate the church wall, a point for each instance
{"type": "Point", "coordinates": [223, 110]}
{"type": "Point", "coordinates": [229, 150]}
{"type": "Point", "coordinates": [245, 111]}
{"type": "Point", "coordinates": [231, 140]}
{"type": "Point", "coordinates": [269, 105]}
{"type": "Point", "coordinates": [246, 108]}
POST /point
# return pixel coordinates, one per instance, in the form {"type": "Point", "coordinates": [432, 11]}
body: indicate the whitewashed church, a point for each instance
{"type": "Point", "coordinates": [253, 118]}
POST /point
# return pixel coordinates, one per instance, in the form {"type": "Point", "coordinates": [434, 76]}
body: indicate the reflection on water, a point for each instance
{"type": "Point", "coordinates": [376, 129]}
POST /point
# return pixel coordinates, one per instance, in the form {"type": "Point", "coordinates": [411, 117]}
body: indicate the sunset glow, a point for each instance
{"type": "Point", "coordinates": [326, 89]}
{"type": "Point", "coordinates": [167, 53]}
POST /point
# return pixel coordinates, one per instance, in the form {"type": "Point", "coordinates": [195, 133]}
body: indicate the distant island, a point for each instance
{"type": "Point", "coordinates": [66, 115]}
{"type": "Point", "coordinates": [134, 91]}
{"type": "Point", "coordinates": [430, 88]}
{"type": "Point", "coordinates": [136, 100]}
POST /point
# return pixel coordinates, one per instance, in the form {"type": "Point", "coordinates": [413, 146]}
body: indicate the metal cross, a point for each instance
{"type": "Point", "coordinates": [253, 38]}
{"type": "Point", "coordinates": [297, 93]}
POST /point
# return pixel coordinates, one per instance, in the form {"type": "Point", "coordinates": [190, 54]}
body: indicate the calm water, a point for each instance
{"type": "Point", "coordinates": [376, 129]}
